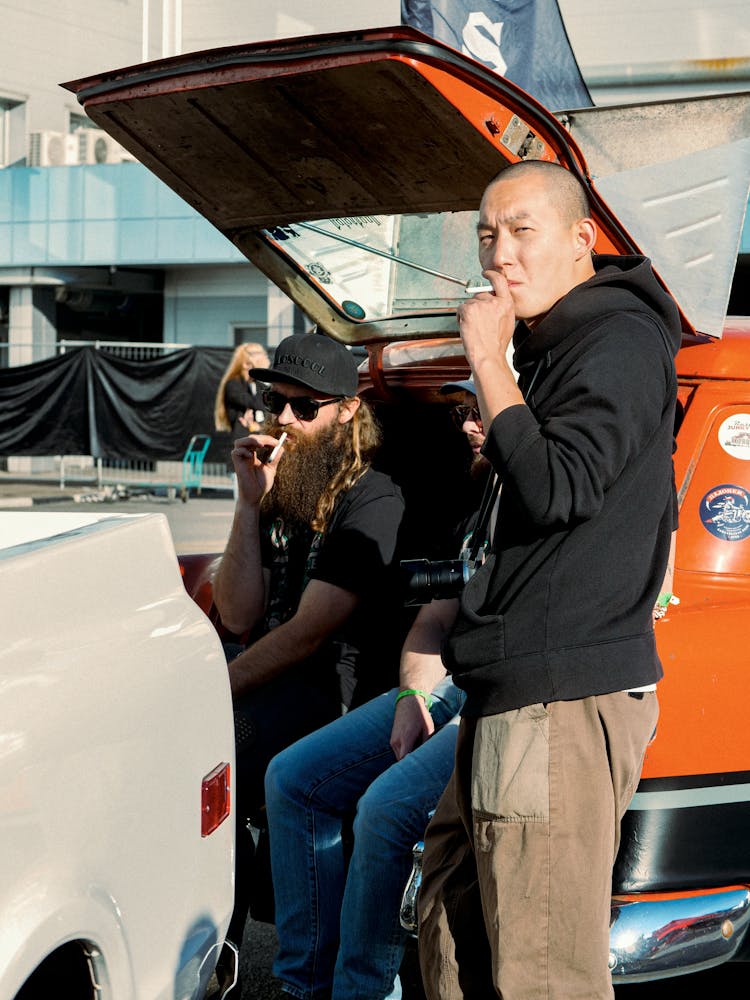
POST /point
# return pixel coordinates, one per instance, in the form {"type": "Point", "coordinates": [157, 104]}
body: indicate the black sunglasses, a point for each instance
{"type": "Point", "coordinates": [461, 413]}
{"type": "Point", "coordinates": [303, 407]}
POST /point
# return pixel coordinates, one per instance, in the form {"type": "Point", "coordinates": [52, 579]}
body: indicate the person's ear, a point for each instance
{"type": "Point", "coordinates": [347, 409]}
{"type": "Point", "coordinates": [585, 237]}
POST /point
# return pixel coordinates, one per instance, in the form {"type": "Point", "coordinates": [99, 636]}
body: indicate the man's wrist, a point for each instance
{"type": "Point", "coordinates": [416, 692]}
{"type": "Point", "coordinates": [248, 509]}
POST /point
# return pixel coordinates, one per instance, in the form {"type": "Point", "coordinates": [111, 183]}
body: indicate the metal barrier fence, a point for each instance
{"type": "Point", "coordinates": [130, 349]}
{"type": "Point", "coordinates": [136, 474]}
{"type": "Point", "coordinates": [84, 470]}
{"type": "Point", "coordinates": [17, 353]}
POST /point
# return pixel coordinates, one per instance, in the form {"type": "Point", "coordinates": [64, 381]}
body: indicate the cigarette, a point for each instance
{"type": "Point", "coordinates": [277, 448]}
{"type": "Point", "coordinates": [471, 289]}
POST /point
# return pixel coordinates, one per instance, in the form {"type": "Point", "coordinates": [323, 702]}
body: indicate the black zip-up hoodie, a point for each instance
{"type": "Point", "coordinates": [562, 609]}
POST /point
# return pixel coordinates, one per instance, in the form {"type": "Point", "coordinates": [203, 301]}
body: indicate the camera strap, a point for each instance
{"type": "Point", "coordinates": [480, 536]}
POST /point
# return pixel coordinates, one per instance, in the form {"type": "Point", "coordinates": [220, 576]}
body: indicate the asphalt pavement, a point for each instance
{"type": "Point", "coordinates": [23, 493]}
{"type": "Point", "coordinates": [199, 525]}
{"type": "Point", "coordinates": [43, 488]}
{"type": "Point", "coordinates": [256, 959]}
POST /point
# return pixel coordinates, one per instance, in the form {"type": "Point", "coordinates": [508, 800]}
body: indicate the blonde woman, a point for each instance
{"type": "Point", "coordinates": [239, 399]}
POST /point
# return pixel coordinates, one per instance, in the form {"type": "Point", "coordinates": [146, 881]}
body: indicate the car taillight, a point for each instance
{"type": "Point", "coordinates": [215, 803]}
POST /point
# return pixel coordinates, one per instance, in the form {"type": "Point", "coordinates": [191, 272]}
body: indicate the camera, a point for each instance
{"type": "Point", "coordinates": [422, 580]}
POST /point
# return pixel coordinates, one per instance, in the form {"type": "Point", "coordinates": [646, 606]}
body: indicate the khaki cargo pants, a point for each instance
{"type": "Point", "coordinates": [517, 877]}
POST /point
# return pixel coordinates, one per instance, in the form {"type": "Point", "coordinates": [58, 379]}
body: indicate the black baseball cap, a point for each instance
{"type": "Point", "coordinates": [466, 386]}
{"type": "Point", "coordinates": [315, 362]}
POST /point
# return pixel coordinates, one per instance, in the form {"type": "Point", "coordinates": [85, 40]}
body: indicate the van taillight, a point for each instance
{"type": "Point", "coordinates": [214, 799]}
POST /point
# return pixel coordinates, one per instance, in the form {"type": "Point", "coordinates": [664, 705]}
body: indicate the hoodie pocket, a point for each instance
{"type": "Point", "coordinates": [476, 640]}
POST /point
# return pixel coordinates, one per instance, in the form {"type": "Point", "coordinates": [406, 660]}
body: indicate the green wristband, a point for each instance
{"type": "Point", "coordinates": [662, 601]}
{"type": "Point", "coordinates": [420, 694]}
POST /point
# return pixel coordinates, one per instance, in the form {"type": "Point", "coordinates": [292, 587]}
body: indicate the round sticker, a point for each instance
{"type": "Point", "coordinates": [725, 512]}
{"type": "Point", "coordinates": [320, 272]}
{"type": "Point", "coordinates": [734, 436]}
{"type": "Point", "coordinates": [353, 309]}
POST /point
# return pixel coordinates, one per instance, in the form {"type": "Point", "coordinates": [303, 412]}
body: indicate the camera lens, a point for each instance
{"type": "Point", "coordinates": [422, 580]}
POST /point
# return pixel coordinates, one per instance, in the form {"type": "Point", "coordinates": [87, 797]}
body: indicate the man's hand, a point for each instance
{"type": "Point", "coordinates": [421, 669]}
{"type": "Point", "coordinates": [412, 725]}
{"type": "Point", "coordinates": [486, 322]}
{"type": "Point", "coordinates": [254, 477]}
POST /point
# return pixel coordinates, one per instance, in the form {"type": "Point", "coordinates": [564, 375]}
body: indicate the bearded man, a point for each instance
{"type": "Point", "coordinates": [388, 762]}
{"type": "Point", "coordinates": [307, 571]}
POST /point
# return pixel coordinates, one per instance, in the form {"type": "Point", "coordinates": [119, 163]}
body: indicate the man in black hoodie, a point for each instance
{"type": "Point", "coordinates": [554, 641]}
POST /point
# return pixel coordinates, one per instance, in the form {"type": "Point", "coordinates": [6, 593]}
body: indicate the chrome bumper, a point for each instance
{"type": "Point", "coordinates": [669, 934]}
{"type": "Point", "coordinates": [408, 914]}
{"type": "Point", "coordinates": [651, 936]}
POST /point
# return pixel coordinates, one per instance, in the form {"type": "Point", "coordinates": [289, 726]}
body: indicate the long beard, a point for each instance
{"type": "Point", "coordinates": [305, 471]}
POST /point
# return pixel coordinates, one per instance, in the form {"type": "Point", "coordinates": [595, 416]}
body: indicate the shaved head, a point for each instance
{"type": "Point", "coordinates": [534, 229]}
{"type": "Point", "coordinates": [563, 187]}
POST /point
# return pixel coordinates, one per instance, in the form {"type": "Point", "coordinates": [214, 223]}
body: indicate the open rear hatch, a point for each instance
{"type": "Point", "coordinates": [347, 167]}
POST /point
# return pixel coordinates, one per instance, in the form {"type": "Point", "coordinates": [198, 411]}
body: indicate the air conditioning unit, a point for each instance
{"type": "Point", "coordinates": [95, 146]}
{"type": "Point", "coordinates": [52, 149]}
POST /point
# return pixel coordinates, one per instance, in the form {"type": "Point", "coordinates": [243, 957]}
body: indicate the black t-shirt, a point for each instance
{"type": "Point", "coordinates": [358, 552]}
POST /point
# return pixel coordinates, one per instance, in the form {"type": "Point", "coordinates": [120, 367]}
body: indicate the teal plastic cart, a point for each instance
{"type": "Point", "coordinates": [192, 465]}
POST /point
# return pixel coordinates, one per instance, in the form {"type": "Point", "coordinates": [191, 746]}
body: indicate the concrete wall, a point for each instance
{"type": "Point", "coordinates": [202, 305]}
{"type": "Point", "coordinates": [612, 33]}
{"type": "Point", "coordinates": [45, 42]}
{"type": "Point", "coordinates": [230, 22]}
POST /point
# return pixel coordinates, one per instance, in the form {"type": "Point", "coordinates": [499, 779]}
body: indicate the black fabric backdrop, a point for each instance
{"type": "Point", "coordinates": [89, 402]}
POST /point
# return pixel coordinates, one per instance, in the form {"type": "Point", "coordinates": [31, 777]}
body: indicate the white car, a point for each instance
{"type": "Point", "coordinates": [116, 753]}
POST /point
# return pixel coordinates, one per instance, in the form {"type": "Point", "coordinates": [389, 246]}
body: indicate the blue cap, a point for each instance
{"type": "Point", "coordinates": [466, 386]}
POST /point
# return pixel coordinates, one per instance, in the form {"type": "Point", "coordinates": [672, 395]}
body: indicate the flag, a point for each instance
{"type": "Point", "coordinates": [522, 40]}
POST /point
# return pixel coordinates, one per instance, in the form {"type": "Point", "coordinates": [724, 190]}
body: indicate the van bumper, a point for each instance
{"type": "Point", "coordinates": [652, 935]}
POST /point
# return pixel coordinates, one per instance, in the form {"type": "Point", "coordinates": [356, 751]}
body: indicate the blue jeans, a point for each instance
{"type": "Point", "coordinates": [339, 930]}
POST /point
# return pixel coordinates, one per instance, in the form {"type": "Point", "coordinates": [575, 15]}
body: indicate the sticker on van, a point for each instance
{"type": "Point", "coordinates": [725, 512]}
{"type": "Point", "coordinates": [734, 436]}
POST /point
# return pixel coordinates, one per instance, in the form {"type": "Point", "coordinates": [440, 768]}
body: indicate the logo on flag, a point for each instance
{"type": "Point", "coordinates": [522, 40]}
